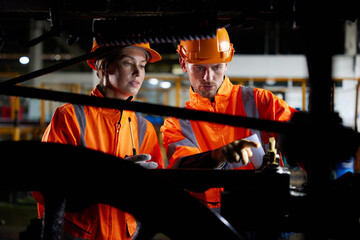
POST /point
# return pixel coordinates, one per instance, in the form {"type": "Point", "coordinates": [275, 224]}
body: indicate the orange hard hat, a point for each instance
{"type": "Point", "coordinates": [153, 55]}
{"type": "Point", "coordinates": [214, 50]}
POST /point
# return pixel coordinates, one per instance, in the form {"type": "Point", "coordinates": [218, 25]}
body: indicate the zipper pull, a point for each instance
{"type": "Point", "coordinates": [121, 110]}
{"type": "Point", "coordinates": [213, 106]}
{"type": "Point", "coordinates": [132, 137]}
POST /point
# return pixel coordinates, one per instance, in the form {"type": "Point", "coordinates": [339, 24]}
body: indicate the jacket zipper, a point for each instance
{"type": "Point", "coordinates": [117, 130]}
{"type": "Point", "coordinates": [213, 106]}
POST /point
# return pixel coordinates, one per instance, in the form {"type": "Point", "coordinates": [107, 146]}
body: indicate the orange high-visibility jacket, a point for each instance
{"type": "Point", "coordinates": [184, 138]}
{"type": "Point", "coordinates": [100, 129]}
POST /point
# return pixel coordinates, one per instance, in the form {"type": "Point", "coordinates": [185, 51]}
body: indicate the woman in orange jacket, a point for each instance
{"type": "Point", "coordinates": [198, 144]}
{"type": "Point", "coordinates": [120, 133]}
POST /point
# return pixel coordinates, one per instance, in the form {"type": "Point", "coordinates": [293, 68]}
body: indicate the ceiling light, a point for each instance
{"type": "Point", "coordinates": [165, 84]}
{"type": "Point", "coordinates": [24, 60]}
{"type": "Point", "coordinates": [270, 81]}
{"type": "Point", "coordinates": [153, 81]}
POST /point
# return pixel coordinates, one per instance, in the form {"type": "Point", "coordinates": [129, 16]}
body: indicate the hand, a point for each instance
{"type": "Point", "coordinates": [142, 159]}
{"type": "Point", "coordinates": [239, 150]}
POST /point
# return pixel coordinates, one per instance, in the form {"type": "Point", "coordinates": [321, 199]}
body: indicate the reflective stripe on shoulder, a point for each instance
{"type": "Point", "coordinates": [248, 99]}
{"type": "Point", "coordinates": [142, 127]}
{"type": "Point", "coordinates": [188, 132]}
{"type": "Point", "coordinates": [188, 141]}
{"type": "Point", "coordinates": [81, 118]}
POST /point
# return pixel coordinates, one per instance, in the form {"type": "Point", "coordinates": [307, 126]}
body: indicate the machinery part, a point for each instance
{"type": "Point", "coordinates": [41, 38]}
{"type": "Point", "coordinates": [266, 125]}
{"type": "Point", "coordinates": [142, 29]}
{"type": "Point", "coordinates": [262, 204]}
{"type": "Point", "coordinates": [277, 210]}
{"type": "Point", "coordinates": [54, 216]}
{"type": "Point", "coordinates": [33, 231]}
{"type": "Point", "coordinates": [316, 145]}
{"type": "Point", "coordinates": [159, 205]}
{"type": "Point", "coordinates": [271, 160]}
{"type": "Point", "coordinates": [271, 157]}
{"type": "Point", "coordinates": [55, 67]}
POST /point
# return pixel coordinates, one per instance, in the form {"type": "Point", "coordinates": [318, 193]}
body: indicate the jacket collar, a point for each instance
{"type": "Point", "coordinates": [112, 113]}
{"type": "Point", "coordinates": [96, 92]}
{"type": "Point", "coordinates": [222, 94]}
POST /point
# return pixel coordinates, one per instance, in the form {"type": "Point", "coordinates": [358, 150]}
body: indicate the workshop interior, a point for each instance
{"type": "Point", "coordinates": [305, 52]}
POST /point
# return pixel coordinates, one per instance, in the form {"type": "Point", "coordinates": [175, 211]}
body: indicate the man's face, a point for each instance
{"type": "Point", "coordinates": [205, 79]}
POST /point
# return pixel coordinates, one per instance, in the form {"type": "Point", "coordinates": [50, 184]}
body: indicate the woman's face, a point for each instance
{"type": "Point", "coordinates": [125, 75]}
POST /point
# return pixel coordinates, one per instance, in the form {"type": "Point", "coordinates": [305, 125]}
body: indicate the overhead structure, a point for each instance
{"type": "Point", "coordinates": [115, 23]}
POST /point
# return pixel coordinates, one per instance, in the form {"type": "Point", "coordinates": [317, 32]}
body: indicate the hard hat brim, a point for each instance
{"type": "Point", "coordinates": [154, 56]}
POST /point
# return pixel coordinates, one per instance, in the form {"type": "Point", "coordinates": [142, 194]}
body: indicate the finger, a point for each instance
{"type": "Point", "coordinates": [241, 148]}
{"type": "Point", "coordinates": [146, 157]}
{"type": "Point", "coordinates": [152, 165]}
{"type": "Point", "coordinates": [249, 152]}
{"type": "Point", "coordinates": [137, 158]}
{"type": "Point", "coordinates": [244, 156]}
{"type": "Point", "coordinates": [148, 165]}
{"type": "Point", "coordinates": [236, 157]}
{"type": "Point", "coordinates": [243, 143]}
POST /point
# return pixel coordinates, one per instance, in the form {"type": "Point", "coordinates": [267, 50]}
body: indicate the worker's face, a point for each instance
{"type": "Point", "coordinates": [205, 79]}
{"type": "Point", "coordinates": [125, 75]}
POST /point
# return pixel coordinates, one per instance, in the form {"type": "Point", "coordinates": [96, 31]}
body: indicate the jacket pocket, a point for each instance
{"type": "Point", "coordinates": [80, 225]}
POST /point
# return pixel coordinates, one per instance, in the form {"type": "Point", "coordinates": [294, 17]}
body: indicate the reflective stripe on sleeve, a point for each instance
{"type": "Point", "coordinates": [248, 99]}
{"type": "Point", "coordinates": [142, 127]}
{"type": "Point", "coordinates": [188, 141]}
{"type": "Point", "coordinates": [81, 118]}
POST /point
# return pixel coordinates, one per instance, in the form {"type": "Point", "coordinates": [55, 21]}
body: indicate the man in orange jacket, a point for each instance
{"type": "Point", "coordinates": [198, 144]}
{"type": "Point", "coordinates": [120, 133]}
